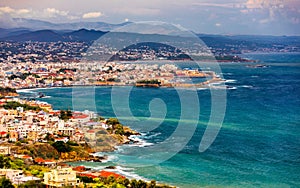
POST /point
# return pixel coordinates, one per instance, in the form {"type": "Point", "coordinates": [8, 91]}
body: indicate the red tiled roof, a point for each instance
{"type": "Point", "coordinates": [88, 175]}
{"type": "Point", "coordinates": [26, 157]}
{"type": "Point", "coordinates": [79, 168]}
{"type": "Point", "coordinates": [80, 116]}
{"type": "Point", "coordinates": [39, 160]}
{"type": "Point", "coordinates": [107, 174]}
{"type": "Point", "coordinates": [48, 160]}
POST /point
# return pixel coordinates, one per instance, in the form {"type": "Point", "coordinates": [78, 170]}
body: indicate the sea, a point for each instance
{"type": "Point", "coordinates": [257, 144]}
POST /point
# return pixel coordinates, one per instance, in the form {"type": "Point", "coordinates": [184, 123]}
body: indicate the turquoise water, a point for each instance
{"type": "Point", "coordinates": [257, 146]}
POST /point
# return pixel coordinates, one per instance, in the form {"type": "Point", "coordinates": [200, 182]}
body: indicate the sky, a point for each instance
{"type": "Point", "coordinates": [256, 17]}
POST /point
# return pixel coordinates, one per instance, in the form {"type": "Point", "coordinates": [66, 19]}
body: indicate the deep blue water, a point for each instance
{"type": "Point", "coordinates": [257, 146]}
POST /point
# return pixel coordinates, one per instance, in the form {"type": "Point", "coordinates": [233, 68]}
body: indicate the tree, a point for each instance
{"type": "Point", "coordinates": [6, 183]}
{"type": "Point", "coordinates": [61, 147]}
{"type": "Point", "coordinates": [5, 162]}
{"type": "Point", "coordinates": [112, 121]}
{"type": "Point", "coordinates": [49, 137]}
{"type": "Point", "coordinates": [119, 129]}
{"type": "Point", "coordinates": [134, 183]}
{"type": "Point", "coordinates": [152, 184]}
{"type": "Point", "coordinates": [65, 114]}
{"type": "Point", "coordinates": [142, 184]}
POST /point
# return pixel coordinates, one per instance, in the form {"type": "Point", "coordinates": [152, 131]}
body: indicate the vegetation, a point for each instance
{"type": "Point", "coordinates": [155, 81]}
{"type": "Point", "coordinates": [113, 80]}
{"type": "Point", "coordinates": [62, 147]}
{"type": "Point", "coordinates": [116, 126]}
{"type": "Point", "coordinates": [23, 76]}
{"type": "Point", "coordinates": [7, 90]}
{"type": "Point", "coordinates": [14, 105]}
{"type": "Point", "coordinates": [64, 70]}
{"type": "Point", "coordinates": [5, 162]}
{"type": "Point", "coordinates": [32, 184]}
{"type": "Point", "coordinates": [111, 181]}
{"type": "Point", "coordinates": [6, 183]}
{"type": "Point", "coordinates": [36, 170]}
{"type": "Point", "coordinates": [39, 150]}
{"type": "Point", "coordinates": [65, 114]}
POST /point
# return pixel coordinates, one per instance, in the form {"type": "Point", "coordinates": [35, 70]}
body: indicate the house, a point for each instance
{"type": "Point", "coordinates": [91, 135]}
{"type": "Point", "coordinates": [45, 162]}
{"type": "Point", "coordinates": [3, 134]}
{"type": "Point", "coordinates": [62, 139]}
{"type": "Point", "coordinates": [66, 131]}
{"type": "Point", "coordinates": [5, 150]}
{"type": "Point", "coordinates": [61, 177]}
{"type": "Point", "coordinates": [32, 135]}
{"type": "Point", "coordinates": [80, 117]}
{"type": "Point", "coordinates": [13, 136]}
{"type": "Point", "coordinates": [21, 156]}
{"type": "Point", "coordinates": [13, 175]}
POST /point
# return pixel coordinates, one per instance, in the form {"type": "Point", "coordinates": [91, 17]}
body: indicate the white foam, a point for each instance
{"type": "Point", "coordinates": [110, 158]}
{"type": "Point", "coordinates": [25, 90]}
{"type": "Point", "coordinates": [139, 142]}
{"type": "Point", "coordinates": [202, 88]}
{"type": "Point", "coordinates": [127, 172]}
{"type": "Point", "coordinates": [45, 97]}
{"type": "Point", "coordinates": [223, 87]}
{"type": "Point", "coordinates": [246, 86]}
{"type": "Point", "coordinates": [152, 135]}
{"type": "Point", "coordinates": [232, 88]}
{"type": "Point", "coordinates": [230, 81]}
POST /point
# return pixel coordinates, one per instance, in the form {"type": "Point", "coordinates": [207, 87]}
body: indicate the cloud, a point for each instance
{"type": "Point", "coordinates": [52, 12]}
{"type": "Point", "coordinates": [277, 10]}
{"type": "Point", "coordinates": [6, 10]}
{"type": "Point", "coordinates": [274, 4]}
{"type": "Point", "coordinates": [92, 15]}
{"type": "Point", "coordinates": [23, 11]}
{"type": "Point", "coordinates": [218, 25]}
{"type": "Point", "coordinates": [27, 13]}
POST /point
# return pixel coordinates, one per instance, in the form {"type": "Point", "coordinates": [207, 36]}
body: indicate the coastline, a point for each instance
{"type": "Point", "coordinates": [94, 156]}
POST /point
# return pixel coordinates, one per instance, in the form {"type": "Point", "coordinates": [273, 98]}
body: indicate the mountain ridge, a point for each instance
{"type": "Point", "coordinates": [34, 24]}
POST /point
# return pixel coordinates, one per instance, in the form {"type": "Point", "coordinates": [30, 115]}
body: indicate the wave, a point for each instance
{"type": "Point", "coordinates": [227, 73]}
{"type": "Point", "coordinates": [223, 87]}
{"type": "Point", "coordinates": [230, 81]}
{"type": "Point", "coordinates": [110, 158]}
{"type": "Point", "coordinates": [152, 135]}
{"type": "Point", "coordinates": [45, 97]}
{"type": "Point", "coordinates": [26, 90]}
{"type": "Point", "coordinates": [231, 88]}
{"type": "Point", "coordinates": [202, 88]}
{"type": "Point", "coordinates": [246, 86]}
{"type": "Point", "coordinates": [128, 172]}
{"type": "Point", "coordinates": [139, 142]}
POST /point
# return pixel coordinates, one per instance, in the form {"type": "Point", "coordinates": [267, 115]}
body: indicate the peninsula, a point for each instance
{"type": "Point", "coordinates": [36, 140]}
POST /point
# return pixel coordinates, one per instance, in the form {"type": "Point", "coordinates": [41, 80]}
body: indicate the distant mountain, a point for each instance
{"type": "Point", "coordinates": [44, 25]}
{"type": "Point", "coordinates": [219, 43]}
{"type": "Point", "coordinates": [82, 35]}
{"type": "Point", "coordinates": [40, 36]}
{"type": "Point", "coordinates": [12, 32]}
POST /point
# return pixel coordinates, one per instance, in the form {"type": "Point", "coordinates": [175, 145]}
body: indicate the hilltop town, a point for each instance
{"type": "Point", "coordinates": [37, 141]}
